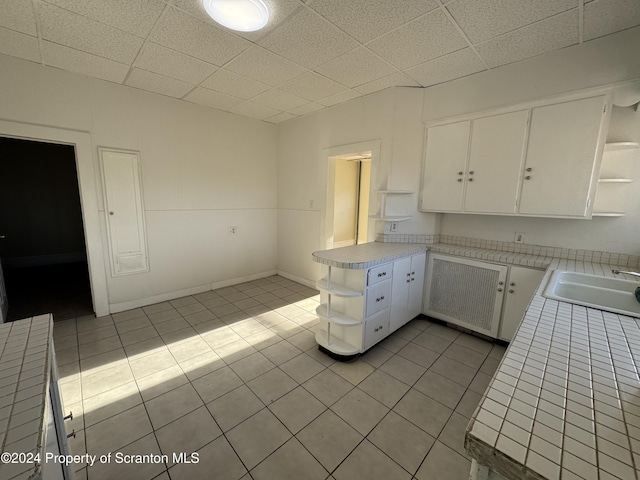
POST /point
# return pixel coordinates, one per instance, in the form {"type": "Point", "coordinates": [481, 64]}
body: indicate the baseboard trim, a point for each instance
{"type": "Point", "coordinates": [163, 297]}
{"type": "Point", "coordinates": [295, 278]}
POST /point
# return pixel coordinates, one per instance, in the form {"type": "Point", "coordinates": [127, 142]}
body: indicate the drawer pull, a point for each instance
{"type": "Point", "coordinates": [72, 434]}
{"type": "Point", "coordinates": [412, 279]}
{"type": "Point", "coordinates": [382, 274]}
{"type": "Point", "coordinates": [408, 281]}
{"type": "Point", "coordinates": [380, 298]}
{"type": "Point", "coordinates": [68, 417]}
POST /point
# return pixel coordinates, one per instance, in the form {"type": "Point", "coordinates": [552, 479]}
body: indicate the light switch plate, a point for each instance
{"type": "Point", "coordinates": [519, 237]}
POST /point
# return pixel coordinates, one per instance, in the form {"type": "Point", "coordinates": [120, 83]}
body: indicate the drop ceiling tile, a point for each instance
{"type": "Point", "coordinates": [153, 82]}
{"type": "Point", "coordinates": [82, 33]}
{"type": "Point", "coordinates": [308, 108]}
{"type": "Point", "coordinates": [158, 59]}
{"type": "Point", "coordinates": [254, 110]}
{"type": "Point", "coordinates": [312, 86]}
{"type": "Point", "coordinates": [263, 66]}
{"type": "Point", "coordinates": [180, 31]}
{"type": "Point", "coordinates": [279, 100]}
{"type": "Point", "coordinates": [233, 84]}
{"type": "Point", "coordinates": [67, 58]}
{"type": "Point", "coordinates": [278, 11]}
{"type": "Point", "coordinates": [421, 40]}
{"type": "Point", "coordinates": [397, 79]}
{"type": "Point", "coordinates": [133, 16]}
{"type": "Point", "coordinates": [18, 15]}
{"type": "Point", "coordinates": [19, 45]}
{"type": "Point", "coordinates": [368, 19]}
{"type": "Point", "coordinates": [449, 67]}
{"type": "Point", "coordinates": [209, 98]}
{"type": "Point", "coordinates": [603, 17]}
{"type": "Point", "coordinates": [308, 39]}
{"type": "Point", "coordinates": [484, 19]}
{"type": "Point", "coordinates": [281, 117]}
{"type": "Point", "coordinates": [339, 98]}
{"type": "Point", "coordinates": [547, 35]}
{"type": "Point", "coordinates": [356, 67]}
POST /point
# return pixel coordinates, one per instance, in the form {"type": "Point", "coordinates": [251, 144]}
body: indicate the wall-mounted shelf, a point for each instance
{"type": "Point", "coordinates": [615, 180]}
{"type": "Point", "coordinates": [615, 146]}
{"type": "Point", "coordinates": [608, 214]}
{"type": "Point", "coordinates": [383, 216]}
{"type": "Point", "coordinates": [390, 218]}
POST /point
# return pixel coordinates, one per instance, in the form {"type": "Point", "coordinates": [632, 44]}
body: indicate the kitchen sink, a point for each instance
{"type": "Point", "coordinates": [605, 293]}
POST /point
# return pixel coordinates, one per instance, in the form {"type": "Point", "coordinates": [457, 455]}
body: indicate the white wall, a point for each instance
{"type": "Point", "coordinates": [202, 171]}
{"type": "Point", "coordinates": [597, 63]}
{"type": "Point", "coordinates": [393, 117]}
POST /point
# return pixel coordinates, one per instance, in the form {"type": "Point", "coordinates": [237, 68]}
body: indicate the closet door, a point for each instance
{"type": "Point", "coordinates": [124, 212]}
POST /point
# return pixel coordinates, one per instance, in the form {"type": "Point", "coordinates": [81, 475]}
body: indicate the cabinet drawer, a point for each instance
{"type": "Point", "coordinates": [376, 328]}
{"type": "Point", "coordinates": [378, 298]}
{"type": "Point", "coordinates": [379, 274]}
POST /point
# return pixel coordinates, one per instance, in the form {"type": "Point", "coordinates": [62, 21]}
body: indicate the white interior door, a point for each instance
{"type": "Point", "coordinates": [4, 304]}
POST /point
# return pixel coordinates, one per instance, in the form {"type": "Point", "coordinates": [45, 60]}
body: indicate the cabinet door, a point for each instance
{"type": "Point", "coordinates": [495, 162]}
{"type": "Point", "coordinates": [414, 305]}
{"type": "Point", "coordinates": [400, 286]}
{"type": "Point", "coordinates": [522, 284]}
{"type": "Point", "coordinates": [562, 158]}
{"type": "Point", "coordinates": [445, 162]}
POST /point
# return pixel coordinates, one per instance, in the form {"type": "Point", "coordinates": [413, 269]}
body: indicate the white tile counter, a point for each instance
{"type": "Point", "coordinates": [24, 381]}
{"type": "Point", "coordinates": [565, 400]}
{"type": "Point", "coordinates": [366, 255]}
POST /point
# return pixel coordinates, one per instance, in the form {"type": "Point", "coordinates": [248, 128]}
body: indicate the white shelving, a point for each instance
{"type": "Point", "coordinates": [337, 290]}
{"type": "Point", "coordinates": [608, 197]}
{"type": "Point", "coordinates": [383, 215]}
{"type": "Point", "coordinates": [337, 317]}
{"type": "Point", "coordinates": [334, 344]}
{"type": "Point", "coordinates": [615, 146]}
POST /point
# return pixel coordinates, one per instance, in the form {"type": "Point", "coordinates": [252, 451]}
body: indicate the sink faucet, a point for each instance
{"type": "Point", "coordinates": [635, 274]}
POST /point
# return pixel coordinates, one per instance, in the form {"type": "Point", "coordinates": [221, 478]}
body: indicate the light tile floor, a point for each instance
{"type": "Point", "coordinates": [236, 376]}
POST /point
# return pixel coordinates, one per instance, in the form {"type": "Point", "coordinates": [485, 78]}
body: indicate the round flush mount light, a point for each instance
{"type": "Point", "coordinates": [241, 15]}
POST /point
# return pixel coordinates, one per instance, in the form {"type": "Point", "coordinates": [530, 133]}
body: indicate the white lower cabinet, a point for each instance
{"type": "Point", "coordinates": [485, 297]}
{"type": "Point", "coordinates": [358, 308]}
{"type": "Point", "coordinates": [522, 284]}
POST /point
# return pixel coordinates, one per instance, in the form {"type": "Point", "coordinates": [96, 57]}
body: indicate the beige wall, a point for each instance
{"type": "Point", "coordinates": [202, 172]}
{"type": "Point", "coordinates": [345, 203]}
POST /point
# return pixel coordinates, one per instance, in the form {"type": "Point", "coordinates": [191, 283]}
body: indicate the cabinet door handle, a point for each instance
{"type": "Point", "coordinates": [528, 177]}
{"type": "Point", "coordinates": [412, 279]}
{"type": "Point", "coordinates": [382, 274]}
{"type": "Point", "coordinates": [460, 173]}
{"type": "Point", "coordinates": [380, 298]}
{"type": "Point", "coordinates": [408, 280]}
{"type": "Point", "coordinates": [499, 289]}
{"type": "Point", "coordinates": [513, 284]}
{"type": "Point", "coordinates": [471, 179]}
{"type": "Point", "coordinates": [510, 290]}
{"type": "Point", "coordinates": [72, 434]}
{"type": "Point", "coordinates": [500, 283]}
{"type": "Point", "coordinates": [68, 417]}
{"type": "Point", "coordinates": [459, 179]}
{"type": "Point", "coordinates": [529, 169]}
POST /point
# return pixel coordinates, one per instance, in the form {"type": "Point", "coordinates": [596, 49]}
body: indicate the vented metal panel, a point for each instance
{"type": "Point", "coordinates": [463, 292]}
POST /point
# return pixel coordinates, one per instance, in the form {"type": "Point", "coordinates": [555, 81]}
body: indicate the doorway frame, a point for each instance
{"type": "Point", "coordinates": [88, 186]}
{"type": "Point", "coordinates": [329, 155]}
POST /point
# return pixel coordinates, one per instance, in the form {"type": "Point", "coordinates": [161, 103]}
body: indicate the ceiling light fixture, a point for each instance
{"type": "Point", "coordinates": [241, 15]}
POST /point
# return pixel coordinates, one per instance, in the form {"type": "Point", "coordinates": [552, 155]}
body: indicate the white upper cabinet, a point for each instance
{"type": "Point", "coordinates": [445, 161]}
{"type": "Point", "coordinates": [124, 212]}
{"type": "Point", "coordinates": [495, 162]}
{"type": "Point", "coordinates": [562, 163]}
{"type": "Point", "coordinates": [537, 160]}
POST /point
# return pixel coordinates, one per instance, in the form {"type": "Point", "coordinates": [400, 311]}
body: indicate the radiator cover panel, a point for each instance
{"type": "Point", "coordinates": [465, 293]}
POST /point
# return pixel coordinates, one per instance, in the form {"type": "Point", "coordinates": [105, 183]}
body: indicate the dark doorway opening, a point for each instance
{"type": "Point", "coordinates": [43, 251]}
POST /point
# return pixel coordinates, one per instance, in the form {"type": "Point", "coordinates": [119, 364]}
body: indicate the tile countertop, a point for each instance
{"type": "Point", "coordinates": [24, 374]}
{"type": "Point", "coordinates": [565, 401]}
{"type": "Point", "coordinates": [366, 255]}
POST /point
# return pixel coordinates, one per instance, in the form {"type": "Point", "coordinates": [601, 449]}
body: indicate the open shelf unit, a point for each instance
{"type": "Point", "coordinates": [611, 181]}
{"type": "Point", "coordinates": [383, 215]}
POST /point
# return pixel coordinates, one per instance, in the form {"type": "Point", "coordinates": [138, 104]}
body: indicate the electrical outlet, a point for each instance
{"type": "Point", "coordinates": [233, 230]}
{"type": "Point", "coordinates": [519, 238]}
{"type": "Point", "coordinates": [394, 226]}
